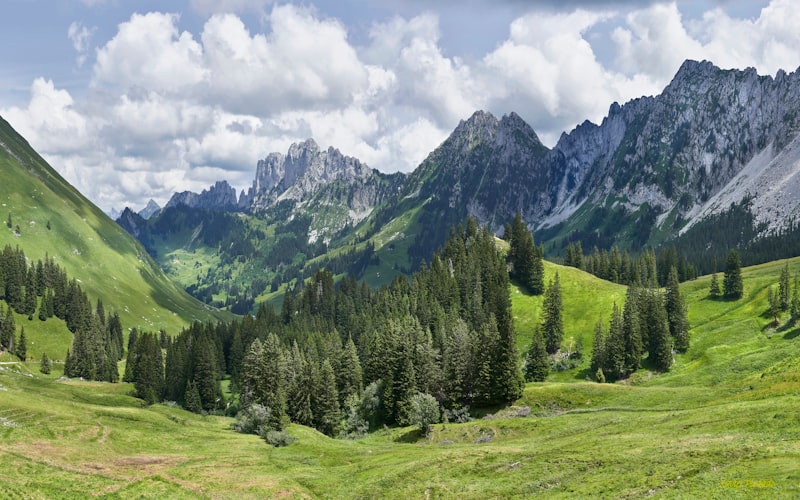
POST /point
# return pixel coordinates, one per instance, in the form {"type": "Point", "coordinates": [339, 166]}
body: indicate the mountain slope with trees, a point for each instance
{"type": "Point", "coordinates": [49, 222]}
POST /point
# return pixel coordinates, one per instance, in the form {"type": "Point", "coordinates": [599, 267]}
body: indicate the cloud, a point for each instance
{"type": "Point", "coordinates": [80, 36]}
{"type": "Point", "coordinates": [303, 63]}
{"type": "Point", "coordinates": [149, 51]}
{"type": "Point", "coordinates": [168, 109]}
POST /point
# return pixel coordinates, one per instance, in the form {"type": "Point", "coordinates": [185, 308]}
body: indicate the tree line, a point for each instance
{"type": "Point", "coordinates": [44, 290]}
{"type": "Point", "coordinates": [348, 358]}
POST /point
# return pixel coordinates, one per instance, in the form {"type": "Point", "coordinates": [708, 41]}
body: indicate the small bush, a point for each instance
{"type": "Point", "coordinates": [277, 438]}
{"type": "Point", "coordinates": [458, 415]}
{"type": "Point", "coordinates": [424, 412]}
{"type": "Point", "coordinates": [252, 420]}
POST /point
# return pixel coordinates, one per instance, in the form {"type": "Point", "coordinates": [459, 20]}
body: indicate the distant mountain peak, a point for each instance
{"type": "Point", "coordinates": [219, 197]}
{"type": "Point", "coordinates": [151, 210]}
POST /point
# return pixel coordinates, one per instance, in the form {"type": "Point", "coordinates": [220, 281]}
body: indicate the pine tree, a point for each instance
{"type": "Point", "coordinates": [8, 331]}
{"type": "Point", "coordinates": [22, 346]}
{"type": "Point", "coordinates": [631, 331]}
{"type": "Point", "coordinates": [784, 291]}
{"type": "Point", "coordinates": [326, 401]}
{"type": "Point", "coordinates": [148, 372]}
{"type": "Point", "coordinates": [271, 389]}
{"type": "Point", "coordinates": [598, 347]}
{"type": "Point", "coordinates": [508, 380]}
{"type": "Point", "coordinates": [714, 291]}
{"type": "Point", "coordinates": [578, 256]}
{"type": "Point", "coordinates": [45, 365]}
{"type": "Point", "coordinates": [205, 376]}
{"type": "Point", "coordinates": [774, 305]}
{"type": "Point", "coordinates": [614, 359]}
{"type": "Point", "coordinates": [552, 322]}
{"type": "Point", "coordinates": [537, 363]}
{"type": "Point", "coordinates": [676, 312]}
{"type": "Point", "coordinates": [654, 319]}
{"type": "Point", "coordinates": [301, 389]}
{"type": "Point", "coordinates": [732, 283]}
{"type": "Point", "coordinates": [457, 363]}
{"type": "Point", "coordinates": [192, 400]}
{"type": "Point", "coordinates": [795, 302]}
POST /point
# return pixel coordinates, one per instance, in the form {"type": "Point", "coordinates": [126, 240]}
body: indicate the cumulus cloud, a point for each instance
{"type": "Point", "coordinates": [168, 109]}
{"type": "Point", "coordinates": [150, 52]}
{"type": "Point", "coordinates": [80, 36]}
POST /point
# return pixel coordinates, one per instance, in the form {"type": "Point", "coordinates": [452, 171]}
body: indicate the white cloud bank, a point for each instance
{"type": "Point", "coordinates": [169, 110]}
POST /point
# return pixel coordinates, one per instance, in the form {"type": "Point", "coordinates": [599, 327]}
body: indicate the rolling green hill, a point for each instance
{"type": "Point", "coordinates": [723, 423]}
{"type": "Point", "coordinates": [55, 219]}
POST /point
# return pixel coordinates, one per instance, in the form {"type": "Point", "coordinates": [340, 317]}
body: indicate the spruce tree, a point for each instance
{"type": "Point", "coordinates": [508, 380]}
{"type": "Point", "coordinates": [301, 389]}
{"type": "Point", "coordinates": [598, 347]}
{"type": "Point", "coordinates": [326, 401]}
{"type": "Point", "coordinates": [784, 291]}
{"type": "Point", "coordinates": [676, 312]}
{"type": "Point", "coordinates": [631, 331]}
{"type": "Point", "coordinates": [537, 363]}
{"type": "Point", "coordinates": [654, 319]}
{"type": "Point", "coordinates": [714, 291]}
{"type": "Point", "coordinates": [614, 359]}
{"type": "Point", "coordinates": [22, 346]}
{"type": "Point", "coordinates": [578, 256]}
{"type": "Point", "coordinates": [795, 302]}
{"type": "Point", "coordinates": [774, 305]}
{"type": "Point", "coordinates": [552, 322]}
{"type": "Point", "coordinates": [271, 389]}
{"type": "Point", "coordinates": [486, 342]}
{"type": "Point", "coordinates": [457, 363]}
{"type": "Point", "coordinates": [192, 401]}
{"type": "Point", "coordinates": [45, 365]}
{"type": "Point", "coordinates": [205, 375]}
{"type": "Point", "coordinates": [732, 283]}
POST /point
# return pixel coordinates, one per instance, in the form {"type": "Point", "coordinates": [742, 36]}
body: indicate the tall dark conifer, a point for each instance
{"type": "Point", "coordinates": [676, 312]}
{"type": "Point", "coordinates": [732, 284]}
{"type": "Point", "coordinates": [552, 321]}
{"type": "Point", "coordinates": [537, 362]}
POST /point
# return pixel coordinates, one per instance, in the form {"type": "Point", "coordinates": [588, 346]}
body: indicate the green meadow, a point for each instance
{"type": "Point", "coordinates": [722, 423]}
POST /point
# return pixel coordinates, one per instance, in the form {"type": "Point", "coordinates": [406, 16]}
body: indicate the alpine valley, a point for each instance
{"type": "Point", "coordinates": [506, 321]}
{"type": "Point", "coordinates": [717, 149]}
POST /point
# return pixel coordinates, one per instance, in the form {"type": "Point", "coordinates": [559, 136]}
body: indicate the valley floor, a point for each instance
{"type": "Point", "coordinates": [63, 439]}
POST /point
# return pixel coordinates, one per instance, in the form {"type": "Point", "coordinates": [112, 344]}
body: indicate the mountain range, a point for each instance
{"type": "Point", "coordinates": [657, 170]}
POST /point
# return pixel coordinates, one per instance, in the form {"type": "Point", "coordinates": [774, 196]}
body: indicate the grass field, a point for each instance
{"type": "Point", "coordinates": [723, 423]}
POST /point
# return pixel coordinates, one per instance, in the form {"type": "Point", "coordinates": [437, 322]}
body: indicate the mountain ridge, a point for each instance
{"type": "Point", "coordinates": [652, 169]}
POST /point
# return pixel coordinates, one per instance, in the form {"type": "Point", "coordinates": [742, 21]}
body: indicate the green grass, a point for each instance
{"type": "Point", "coordinates": [107, 262]}
{"type": "Point", "coordinates": [586, 299]}
{"type": "Point", "coordinates": [723, 423]}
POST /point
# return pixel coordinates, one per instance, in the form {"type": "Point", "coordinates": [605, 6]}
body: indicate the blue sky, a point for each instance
{"type": "Point", "coordinates": [132, 100]}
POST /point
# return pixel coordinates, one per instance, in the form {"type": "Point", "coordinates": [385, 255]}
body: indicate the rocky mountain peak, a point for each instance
{"type": "Point", "coordinates": [151, 210]}
{"type": "Point", "coordinates": [301, 172]}
{"type": "Point", "coordinates": [219, 197]}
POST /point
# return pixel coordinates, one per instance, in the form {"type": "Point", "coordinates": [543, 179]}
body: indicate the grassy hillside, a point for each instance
{"type": "Point", "coordinates": [723, 423]}
{"type": "Point", "coordinates": [107, 261]}
{"type": "Point", "coordinates": [586, 299]}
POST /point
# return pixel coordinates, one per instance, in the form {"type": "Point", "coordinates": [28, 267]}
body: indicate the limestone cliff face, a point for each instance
{"type": "Point", "coordinates": [682, 148]}
{"type": "Point", "coordinates": [711, 138]}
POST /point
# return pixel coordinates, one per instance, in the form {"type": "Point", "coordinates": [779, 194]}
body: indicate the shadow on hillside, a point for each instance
{"type": "Point", "coordinates": [411, 436]}
{"type": "Point", "coordinates": [585, 374]}
{"type": "Point", "coordinates": [792, 334]}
